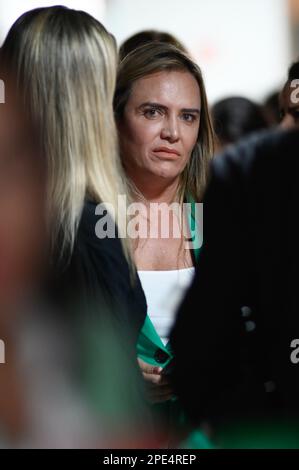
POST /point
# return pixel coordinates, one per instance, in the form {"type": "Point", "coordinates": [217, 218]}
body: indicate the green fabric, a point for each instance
{"type": "Point", "coordinates": [197, 241]}
{"type": "Point", "coordinates": [259, 434]}
{"type": "Point", "coordinates": [148, 343]}
{"type": "Point", "coordinates": [197, 440]}
{"type": "Point", "coordinates": [149, 340]}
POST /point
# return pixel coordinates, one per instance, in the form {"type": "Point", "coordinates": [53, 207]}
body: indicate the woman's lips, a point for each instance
{"type": "Point", "coordinates": [167, 151]}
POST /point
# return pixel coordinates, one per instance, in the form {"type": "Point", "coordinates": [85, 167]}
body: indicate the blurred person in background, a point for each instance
{"type": "Point", "coordinates": [64, 62]}
{"type": "Point", "coordinates": [289, 99]}
{"type": "Point", "coordinates": [234, 118]}
{"type": "Point", "coordinates": [166, 141]}
{"type": "Point", "coordinates": [148, 36]}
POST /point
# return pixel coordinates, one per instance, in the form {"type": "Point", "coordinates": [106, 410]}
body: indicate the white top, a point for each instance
{"type": "Point", "coordinates": [164, 291]}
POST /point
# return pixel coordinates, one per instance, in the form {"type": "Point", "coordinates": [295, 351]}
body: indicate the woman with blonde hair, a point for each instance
{"type": "Point", "coordinates": [166, 140]}
{"type": "Point", "coordinates": [64, 63]}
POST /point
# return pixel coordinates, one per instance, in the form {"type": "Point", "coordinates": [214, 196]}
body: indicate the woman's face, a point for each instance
{"type": "Point", "coordinates": [22, 228]}
{"type": "Point", "coordinates": [160, 126]}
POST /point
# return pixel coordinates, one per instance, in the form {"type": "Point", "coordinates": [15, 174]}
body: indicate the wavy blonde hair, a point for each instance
{"type": "Point", "coordinates": [158, 57]}
{"type": "Point", "coordinates": [65, 62]}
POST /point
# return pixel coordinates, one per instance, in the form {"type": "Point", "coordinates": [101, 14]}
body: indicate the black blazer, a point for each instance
{"type": "Point", "coordinates": [97, 275]}
{"type": "Point", "coordinates": [232, 360]}
{"type": "Point", "coordinates": [104, 312]}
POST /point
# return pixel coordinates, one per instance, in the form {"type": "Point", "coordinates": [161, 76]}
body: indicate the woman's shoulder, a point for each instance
{"type": "Point", "coordinates": [98, 230]}
{"type": "Point", "coordinates": [104, 255]}
{"type": "Point", "coordinates": [100, 265]}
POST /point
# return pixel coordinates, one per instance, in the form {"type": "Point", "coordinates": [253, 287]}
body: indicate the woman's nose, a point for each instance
{"type": "Point", "coordinates": [170, 131]}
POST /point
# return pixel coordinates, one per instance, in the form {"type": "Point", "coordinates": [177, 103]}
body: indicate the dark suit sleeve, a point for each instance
{"type": "Point", "coordinates": [208, 332]}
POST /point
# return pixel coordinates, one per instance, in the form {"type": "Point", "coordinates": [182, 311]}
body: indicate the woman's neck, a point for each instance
{"type": "Point", "coordinates": [157, 192]}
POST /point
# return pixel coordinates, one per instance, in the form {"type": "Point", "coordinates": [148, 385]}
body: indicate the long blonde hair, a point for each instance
{"type": "Point", "coordinates": [65, 62]}
{"type": "Point", "coordinates": [157, 57]}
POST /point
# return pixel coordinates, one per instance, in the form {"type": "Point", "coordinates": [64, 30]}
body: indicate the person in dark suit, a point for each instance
{"type": "Point", "coordinates": [233, 334]}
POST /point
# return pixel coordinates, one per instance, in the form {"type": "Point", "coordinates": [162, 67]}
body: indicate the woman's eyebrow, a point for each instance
{"type": "Point", "coordinates": [191, 110]}
{"type": "Point", "coordinates": [152, 104]}
{"type": "Point", "coordinates": [161, 106]}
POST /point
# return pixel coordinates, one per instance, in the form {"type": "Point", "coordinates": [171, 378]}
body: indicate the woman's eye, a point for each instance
{"type": "Point", "coordinates": [189, 117]}
{"type": "Point", "coordinates": [151, 113]}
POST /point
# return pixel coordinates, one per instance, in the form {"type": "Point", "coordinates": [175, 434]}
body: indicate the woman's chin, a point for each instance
{"type": "Point", "coordinates": [166, 170]}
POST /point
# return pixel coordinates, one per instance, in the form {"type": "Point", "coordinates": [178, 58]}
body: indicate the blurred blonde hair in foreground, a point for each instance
{"type": "Point", "coordinates": [65, 62]}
